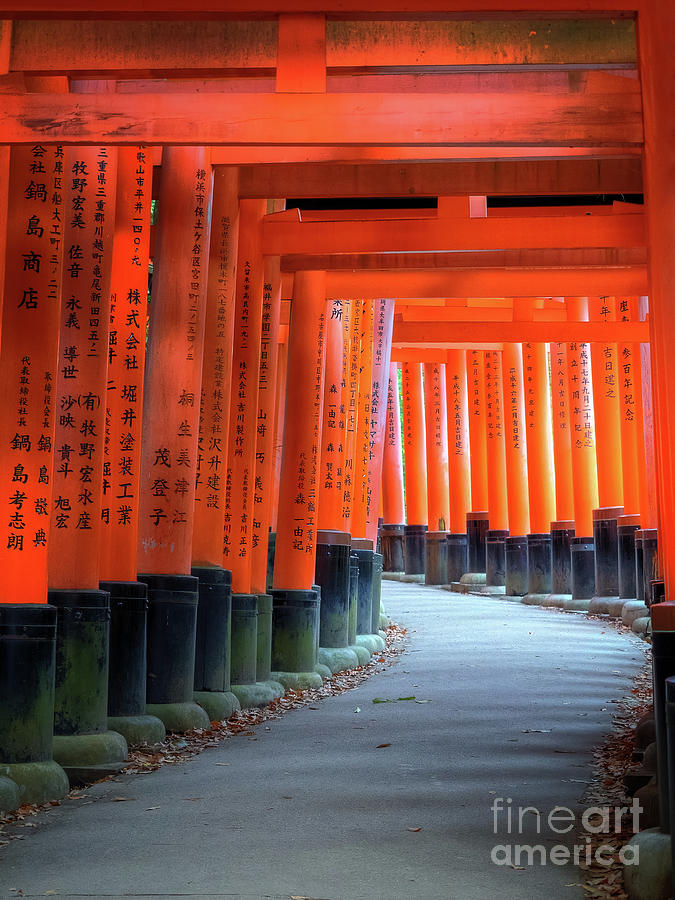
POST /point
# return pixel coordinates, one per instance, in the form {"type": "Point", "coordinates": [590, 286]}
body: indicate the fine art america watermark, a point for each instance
{"type": "Point", "coordinates": [512, 822]}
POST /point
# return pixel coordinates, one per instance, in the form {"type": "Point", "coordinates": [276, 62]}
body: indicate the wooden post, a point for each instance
{"type": "Point", "coordinates": [331, 488]}
{"type": "Point", "coordinates": [382, 334]}
{"type": "Point", "coordinates": [363, 426]}
{"type": "Point", "coordinates": [459, 462]}
{"type": "Point", "coordinates": [606, 408]}
{"type": "Point", "coordinates": [414, 443]}
{"type": "Point", "coordinates": [516, 575]}
{"type": "Point", "coordinates": [352, 413]}
{"type": "Point", "coordinates": [498, 513]}
{"type": "Point", "coordinates": [438, 485]}
{"type": "Point", "coordinates": [562, 444]}
{"type": "Point", "coordinates": [393, 501]}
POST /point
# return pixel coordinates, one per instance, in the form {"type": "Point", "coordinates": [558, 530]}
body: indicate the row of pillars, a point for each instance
{"type": "Point", "coordinates": [527, 469]}
{"type": "Point", "coordinates": [191, 488]}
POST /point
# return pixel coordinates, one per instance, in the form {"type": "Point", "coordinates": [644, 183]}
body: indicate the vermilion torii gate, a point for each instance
{"type": "Point", "coordinates": [330, 102]}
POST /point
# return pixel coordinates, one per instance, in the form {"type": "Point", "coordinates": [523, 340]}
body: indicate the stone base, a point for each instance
{"type": "Point", "coordinates": [456, 587]}
{"type": "Point", "coordinates": [9, 795]}
{"type": "Point", "coordinates": [632, 610]}
{"type": "Point", "coordinates": [37, 782]}
{"type": "Point", "coordinates": [86, 758]}
{"type": "Point", "coordinates": [337, 659]}
{"type": "Point", "coordinates": [473, 578]}
{"type": "Point", "coordinates": [578, 604]}
{"type": "Point", "coordinates": [599, 606]}
{"type": "Point", "coordinates": [179, 717]}
{"type": "Point", "coordinates": [491, 590]}
{"type": "Point", "coordinates": [557, 600]}
{"type": "Point", "coordinates": [412, 579]}
{"type": "Point", "coordinates": [298, 681]}
{"type": "Point", "coordinates": [513, 598]}
{"type": "Point", "coordinates": [362, 654]}
{"type": "Point", "coordinates": [392, 576]}
{"type": "Point", "coordinates": [219, 705]}
{"type": "Point", "coordinates": [534, 599]}
{"type": "Point", "coordinates": [641, 625]}
{"type": "Point", "coordinates": [137, 730]}
{"type": "Point", "coordinates": [372, 642]}
{"type": "Point", "coordinates": [650, 879]}
{"type": "Point", "coordinates": [259, 694]}
{"type": "Point", "coordinates": [323, 671]}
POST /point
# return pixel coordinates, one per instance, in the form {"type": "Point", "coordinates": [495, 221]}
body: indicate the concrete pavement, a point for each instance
{"type": "Point", "coordinates": [310, 807]}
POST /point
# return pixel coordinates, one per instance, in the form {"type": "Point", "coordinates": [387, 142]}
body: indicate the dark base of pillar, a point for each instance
{"type": "Point", "coordinates": [477, 524]}
{"type": "Point", "coordinates": [333, 551]}
{"type": "Point", "coordinates": [625, 533]}
{"type": "Point", "coordinates": [377, 593]}
{"type": "Point", "coordinates": [258, 694]}
{"type": "Point", "coordinates": [539, 583]}
{"type": "Point", "coordinates": [27, 637]}
{"type": "Point", "coordinates": [271, 546]}
{"type": "Point", "coordinates": [244, 640]}
{"type": "Point", "coordinates": [562, 533]}
{"type": "Point", "coordinates": [582, 573]}
{"type": "Point", "coordinates": [457, 556]}
{"type": "Point", "coordinates": [127, 670]}
{"type": "Point", "coordinates": [263, 665]}
{"type": "Point", "coordinates": [605, 538]}
{"type": "Point", "coordinates": [515, 566]}
{"type": "Point", "coordinates": [436, 557]}
{"type": "Point", "coordinates": [83, 746]}
{"type": "Point", "coordinates": [495, 559]}
{"type": "Point", "coordinates": [353, 598]}
{"type": "Point", "coordinates": [213, 636]}
{"type": "Point", "coordinates": [392, 541]}
{"type": "Point", "coordinates": [364, 616]}
{"type": "Point", "coordinates": [295, 631]}
{"type": "Point", "coordinates": [414, 549]}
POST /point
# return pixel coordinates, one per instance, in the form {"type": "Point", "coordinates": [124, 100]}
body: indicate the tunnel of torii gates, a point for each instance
{"type": "Point", "coordinates": [195, 479]}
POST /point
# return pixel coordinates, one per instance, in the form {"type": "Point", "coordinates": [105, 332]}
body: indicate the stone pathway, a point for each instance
{"type": "Point", "coordinates": [508, 702]}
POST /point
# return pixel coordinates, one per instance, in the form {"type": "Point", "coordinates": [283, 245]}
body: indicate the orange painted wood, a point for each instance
{"type": "Point", "coordinates": [515, 440]}
{"type": "Point", "coordinates": [174, 364]}
{"type": "Point", "coordinates": [382, 330]}
{"type": "Point", "coordinates": [90, 175]}
{"type": "Point", "coordinates": [240, 478]}
{"type": "Point", "coordinates": [459, 457]}
{"type": "Point", "coordinates": [383, 179]}
{"type": "Point", "coordinates": [334, 421]}
{"type": "Point", "coordinates": [393, 501]}
{"type": "Point", "coordinates": [440, 333]}
{"type": "Point", "coordinates": [629, 389]}
{"type": "Point", "coordinates": [364, 423]}
{"type": "Point", "coordinates": [126, 366]}
{"type": "Point", "coordinates": [606, 407]}
{"type": "Point", "coordinates": [436, 423]}
{"type": "Point", "coordinates": [497, 504]}
{"type": "Point", "coordinates": [214, 408]}
{"type": "Point", "coordinates": [266, 421]}
{"type": "Point", "coordinates": [436, 235]}
{"type": "Point", "coordinates": [561, 424]}
{"type": "Point", "coordinates": [539, 437]}
{"type": "Point", "coordinates": [295, 552]}
{"type": "Point", "coordinates": [582, 423]}
{"type": "Point", "coordinates": [475, 377]}
{"type": "Point", "coordinates": [352, 412]}
{"type": "Point", "coordinates": [29, 365]}
{"type": "Point", "coordinates": [282, 365]}
{"type": "Point", "coordinates": [657, 73]}
{"type": "Point", "coordinates": [491, 119]}
{"type": "Point", "coordinates": [414, 445]}
{"type": "Point", "coordinates": [4, 198]}
{"type": "Point", "coordinates": [484, 282]}
{"type": "Point", "coordinates": [301, 53]}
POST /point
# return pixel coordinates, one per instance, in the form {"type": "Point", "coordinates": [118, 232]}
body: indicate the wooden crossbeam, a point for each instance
{"type": "Point", "coordinates": [108, 47]}
{"type": "Point", "coordinates": [440, 334]}
{"type": "Point", "coordinates": [498, 120]}
{"type": "Point", "coordinates": [436, 235]}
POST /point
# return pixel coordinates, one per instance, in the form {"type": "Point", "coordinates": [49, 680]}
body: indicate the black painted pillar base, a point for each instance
{"type": "Point", "coordinates": [539, 562]}
{"type": "Point", "coordinates": [562, 532]}
{"type": "Point", "coordinates": [650, 561]}
{"type": "Point", "coordinates": [214, 643]}
{"type": "Point", "coordinates": [271, 547]}
{"type": "Point", "coordinates": [392, 540]}
{"type": "Point", "coordinates": [515, 566]}
{"type": "Point", "coordinates": [495, 561]}
{"type": "Point", "coordinates": [582, 573]}
{"type": "Point", "coordinates": [83, 745]}
{"type": "Point", "coordinates": [251, 644]}
{"type": "Point", "coordinates": [627, 526]}
{"type": "Point", "coordinates": [414, 553]}
{"type": "Point", "coordinates": [172, 634]}
{"type": "Point", "coordinates": [333, 550]}
{"type": "Point", "coordinates": [353, 598]}
{"type": "Point", "coordinates": [27, 659]}
{"type": "Point", "coordinates": [127, 671]}
{"type": "Point", "coordinates": [458, 555]}
{"type": "Point", "coordinates": [365, 560]}
{"type": "Point", "coordinates": [377, 592]}
{"type": "Point", "coordinates": [295, 638]}
{"type": "Point", "coordinates": [606, 559]}
{"type": "Point", "coordinates": [477, 524]}
{"type": "Point", "coordinates": [436, 557]}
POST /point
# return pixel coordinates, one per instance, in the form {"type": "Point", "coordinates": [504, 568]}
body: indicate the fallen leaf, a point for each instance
{"type": "Point", "coordinates": [358, 709]}
{"type": "Point", "coordinates": [520, 868]}
{"type": "Point", "coordinates": [149, 808]}
{"type": "Point", "coordinates": [422, 701]}
{"type": "Point", "coordinates": [415, 828]}
{"type": "Point", "coordinates": [382, 745]}
{"type": "Point", "coordinates": [536, 731]}
{"type": "Point", "coordinates": [222, 764]}
{"type": "Point", "coordinates": [121, 799]}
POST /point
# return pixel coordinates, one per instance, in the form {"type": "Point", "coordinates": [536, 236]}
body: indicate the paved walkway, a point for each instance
{"type": "Point", "coordinates": [311, 808]}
